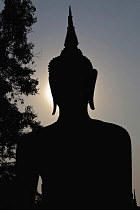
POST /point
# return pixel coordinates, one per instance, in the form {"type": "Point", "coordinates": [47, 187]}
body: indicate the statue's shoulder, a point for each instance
{"type": "Point", "coordinates": [35, 138]}
{"type": "Point", "coordinates": [111, 129]}
{"type": "Point", "coordinates": [33, 145]}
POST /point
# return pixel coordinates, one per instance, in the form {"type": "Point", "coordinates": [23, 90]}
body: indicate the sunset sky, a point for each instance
{"type": "Point", "coordinates": [109, 35]}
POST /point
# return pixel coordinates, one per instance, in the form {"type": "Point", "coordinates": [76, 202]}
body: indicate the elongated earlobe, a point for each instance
{"type": "Point", "coordinates": [91, 103]}
{"type": "Point", "coordinates": [54, 107]}
{"type": "Point", "coordinates": [92, 82]}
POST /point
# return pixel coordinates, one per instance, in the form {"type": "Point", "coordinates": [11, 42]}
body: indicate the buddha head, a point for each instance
{"type": "Point", "coordinates": [71, 75]}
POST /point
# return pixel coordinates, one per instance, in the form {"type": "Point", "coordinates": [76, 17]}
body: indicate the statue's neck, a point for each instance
{"type": "Point", "coordinates": [73, 115]}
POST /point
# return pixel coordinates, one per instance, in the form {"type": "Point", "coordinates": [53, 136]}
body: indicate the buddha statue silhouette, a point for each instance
{"type": "Point", "coordinates": [83, 162]}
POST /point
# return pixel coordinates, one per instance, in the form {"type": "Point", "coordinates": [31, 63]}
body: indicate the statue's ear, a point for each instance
{"type": "Point", "coordinates": [91, 88]}
{"type": "Point", "coordinates": [54, 107]}
{"type": "Point", "coordinates": [54, 104]}
{"type": "Point", "coordinates": [53, 96]}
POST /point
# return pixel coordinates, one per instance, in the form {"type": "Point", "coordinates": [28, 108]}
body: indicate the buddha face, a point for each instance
{"type": "Point", "coordinates": [73, 91]}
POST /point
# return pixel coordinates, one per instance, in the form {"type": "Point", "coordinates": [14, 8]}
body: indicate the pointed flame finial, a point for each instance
{"type": "Point", "coordinates": [70, 13]}
{"type": "Point", "coordinates": [70, 21]}
{"type": "Point", "coordinates": [71, 38]}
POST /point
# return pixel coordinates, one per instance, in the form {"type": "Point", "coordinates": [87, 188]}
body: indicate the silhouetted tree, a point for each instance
{"type": "Point", "coordinates": [16, 73]}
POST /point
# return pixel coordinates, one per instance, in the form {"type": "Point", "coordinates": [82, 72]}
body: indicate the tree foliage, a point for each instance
{"type": "Point", "coordinates": [16, 73]}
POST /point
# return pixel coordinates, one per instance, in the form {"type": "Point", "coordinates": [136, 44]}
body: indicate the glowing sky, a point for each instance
{"type": "Point", "coordinates": [109, 35]}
